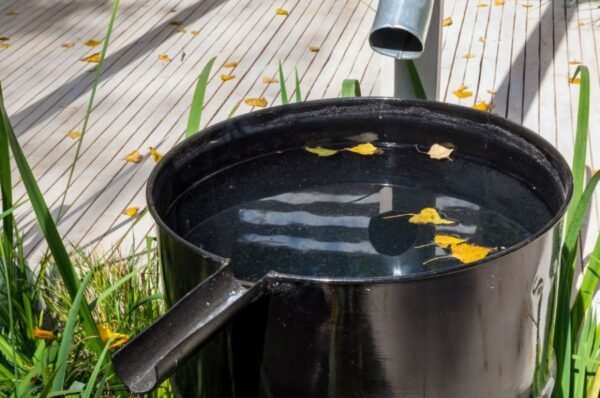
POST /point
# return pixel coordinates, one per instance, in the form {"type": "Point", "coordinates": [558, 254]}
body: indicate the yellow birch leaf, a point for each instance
{"type": "Point", "coordinates": [42, 334]}
{"type": "Point", "coordinates": [469, 56]}
{"type": "Point", "coordinates": [131, 211]}
{"type": "Point", "coordinates": [320, 151]}
{"type": "Point", "coordinates": [467, 253]}
{"type": "Point", "coordinates": [227, 77]}
{"type": "Point", "coordinates": [281, 11]}
{"type": "Point", "coordinates": [231, 64]}
{"type": "Point", "coordinates": [499, 2]}
{"type": "Point", "coordinates": [447, 21]}
{"type": "Point", "coordinates": [74, 135]}
{"type": "Point", "coordinates": [195, 32]}
{"type": "Point", "coordinates": [581, 23]}
{"type": "Point", "coordinates": [175, 23]}
{"type": "Point", "coordinates": [68, 44]}
{"type": "Point", "coordinates": [481, 5]}
{"type": "Point", "coordinates": [156, 155]}
{"type": "Point", "coordinates": [481, 39]}
{"type": "Point", "coordinates": [107, 334]}
{"type": "Point", "coordinates": [259, 102]}
{"type": "Point", "coordinates": [164, 57]}
{"type": "Point", "coordinates": [527, 5]}
{"type": "Point", "coordinates": [429, 215]}
{"type": "Point", "coordinates": [94, 58]}
{"type": "Point", "coordinates": [133, 156]}
{"type": "Point", "coordinates": [491, 91]}
{"type": "Point", "coordinates": [12, 13]}
{"type": "Point", "coordinates": [574, 80]}
{"type": "Point", "coordinates": [181, 30]}
{"type": "Point", "coordinates": [313, 49]}
{"type": "Point", "coordinates": [482, 106]}
{"type": "Point", "coordinates": [462, 94]}
{"type": "Point", "coordinates": [446, 241]}
{"type": "Point", "coordinates": [439, 152]}
{"type": "Point", "coordinates": [173, 9]}
{"type": "Point", "coordinates": [574, 62]}
{"type": "Point", "coordinates": [4, 38]}
{"type": "Point", "coordinates": [366, 149]}
{"type": "Point", "coordinates": [92, 43]}
{"type": "Point", "coordinates": [462, 87]}
{"type": "Point", "coordinates": [269, 80]}
{"type": "Point", "coordinates": [4, 46]}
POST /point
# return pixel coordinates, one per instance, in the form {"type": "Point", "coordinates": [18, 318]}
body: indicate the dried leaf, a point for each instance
{"type": "Point", "coordinates": [320, 151]}
{"type": "Point", "coordinates": [366, 149]}
{"type": "Point", "coordinates": [469, 56]}
{"type": "Point", "coordinates": [429, 215]}
{"type": "Point", "coordinates": [281, 11]}
{"type": "Point", "coordinates": [195, 32]}
{"type": "Point", "coordinates": [581, 23]}
{"type": "Point", "coordinates": [74, 135]}
{"type": "Point", "coordinates": [527, 5]}
{"type": "Point", "coordinates": [446, 241]}
{"type": "Point", "coordinates": [94, 58]}
{"type": "Point", "coordinates": [467, 253]}
{"type": "Point", "coordinates": [68, 44]}
{"type": "Point", "coordinates": [227, 77]}
{"type": "Point", "coordinates": [131, 211]}
{"type": "Point", "coordinates": [4, 46]}
{"type": "Point", "coordinates": [575, 62]}
{"type": "Point", "coordinates": [499, 2]}
{"type": "Point", "coordinates": [12, 13]}
{"type": "Point", "coordinates": [42, 334]}
{"type": "Point", "coordinates": [4, 38]}
{"type": "Point", "coordinates": [231, 64]}
{"type": "Point", "coordinates": [481, 39]}
{"type": "Point", "coordinates": [447, 21]}
{"type": "Point", "coordinates": [156, 155]}
{"type": "Point", "coordinates": [574, 80]}
{"type": "Point", "coordinates": [269, 80]}
{"type": "Point", "coordinates": [437, 151]}
{"type": "Point", "coordinates": [481, 5]}
{"type": "Point", "coordinates": [92, 43]}
{"type": "Point", "coordinates": [107, 334]}
{"type": "Point", "coordinates": [491, 91]}
{"type": "Point", "coordinates": [259, 102]}
{"type": "Point", "coordinates": [134, 157]}
{"type": "Point", "coordinates": [176, 23]}
{"type": "Point", "coordinates": [482, 106]}
{"type": "Point", "coordinates": [181, 30]}
{"type": "Point", "coordinates": [313, 49]}
{"type": "Point", "coordinates": [463, 93]}
{"type": "Point", "coordinates": [164, 57]}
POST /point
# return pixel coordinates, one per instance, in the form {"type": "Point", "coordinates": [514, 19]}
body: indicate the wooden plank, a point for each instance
{"type": "Point", "coordinates": [517, 69]}
{"type": "Point", "coordinates": [531, 78]}
{"type": "Point", "coordinates": [450, 53]}
{"type": "Point", "coordinates": [504, 59]}
{"type": "Point", "coordinates": [547, 111]}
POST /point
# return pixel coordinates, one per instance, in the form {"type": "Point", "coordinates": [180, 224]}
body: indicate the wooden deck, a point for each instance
{"type": "Point", "coordinates": [521, 54]}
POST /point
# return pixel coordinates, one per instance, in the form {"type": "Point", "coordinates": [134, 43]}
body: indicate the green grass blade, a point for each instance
{"type": "Point", "coordinates": [117, 285]}
{"type": "Point", "coordinates": [351, 88]}
{"type": "Point", "coordinates": [284, 97]}
{"type": "Point", "coordinates": [100, 386]}
{"type": "Point", "coordinates": [89, 388]}
{"type": "Point", "coordinates": [6, 191]}
{"type": "Point", "coordinates": [47, 226]}
{"type": "Point", "coordinates": [195, 117]}
{"type": "Point", "coordinates": [585, 293]}
{"type": "Point", "coordinates": [415, 80]}
{"type": "Point", "coordinates": [297, 88]}
{"type": "Point", "coordinates": [66, 342]}
{"type": "Point", "coordinates": [585, 341]}
{"type": "Point", "coordinates": [595, 390]}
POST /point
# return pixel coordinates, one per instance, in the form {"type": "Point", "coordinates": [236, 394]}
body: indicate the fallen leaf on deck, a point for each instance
{"type": "Point", "coordinates": [446, 241]}
{"type": "Point", "coordinates": [94, 58]}
{"type": "Point", "coordinates": [227, 77]}
{"type": "Point", "coordinates": [131, 211]}
{"type": "Point", "coordinates": [481, 5]}
{"type": "Point", "coordinates": [181, 30]}
{"type": "Point", "coordinates": [12, 13]}
{"type": "Point", "coordinates": [134, 156]}
{"type": "Point", "coordinates": [4, 46]}
{"type": "Point", "coordinates": [366, 149]}
{"type": "Point", "coordinates": [482, 106]}
{"type": "Point", "coordinates": [281, 11]}
{"type": "Point", "coordinates": [195, 32]}
{"type": "Point", "coordinates": [313, 49]}
{"type": "Point", "coordinates": [92, 43]}
{"type": "Point", "coordinates": [462, 87]}
{"type": "Point", "coordinates": [320, 151]}
{"type": "Point", "coordinates": [499, 2]}
{"type": "Point", "coordinates": [231, 64]}
{"type": "Point", "coordinates": [581, 23]}
{"type": "Point", "coordinates": [481, 39]}
{"type": "Point", "coordinates": [269, 80]}
{"type": "Point", "coordinates": [467, 253]}
{"type": "Point", "coordinates": [156, 155]}
{"type": "Point", "coordinates": [469, 55]}
{"type": "Point", "coordinates": [429, 215]}
{"type": "Point", "coordinates": [462, 93]}
{"type": "Point", "coordinates": [527, 5]}
{"type": "Point", "coordinates": [574, 80]}
{"type": "Point", "coordinates": [4, 38]}
{"type": "Point", "coordinates": [164, 57]}
{"type": "Point", "coordinates": [575, 62]}
{"type": "Point", "coordinates": [447, 21]}
{"type": "Point", "coordinates": [173, 9]}
{"type": "Point", "coordinates": [438, 152]}
{"type": "Point", "coordinates": [175, 23]}
{"type": "Point", "coordinates": [74, 135]}
{"type": "Point", "coordinates": [260, 102]}
{"type": "Point", "coordinates": [491, 91]}
{"type": "Point", "coordinates": [68, 44]}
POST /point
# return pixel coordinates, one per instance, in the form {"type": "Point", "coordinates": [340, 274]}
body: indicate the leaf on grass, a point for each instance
{"type": "Point", "coordinates": [181, 30]}
{"type": "Point", "coordinates": [164, 57]}
{"type": "Point", "coordinates": [269, 80]}
{"type": "Point", "coordinates": [469, 56]}
{"type": "Point", "coordinates": [134, 157]}
{"type": "Point", "coordinates": [366, 149]}
{"type": "Point", "coordinates": [447, 21]}
{"type": "Point", "coordinates": [231, 64]}
{"type": "Point", "coordinates": [429, 215]}
{"type": "Point", "coordinates": [482, 106]}
{"type": "Point", "coordinates": [281, 11]}
{"type": "Point", "coordinates": [227, 77]}
{"type": "Point", "coordinates": [320, 151]}
{"type": "Point", "coordinates": [438, 152]}
{"type": "Point", "coordinates": [574, 62]}
{"type": "Point", "coordinates": [130, 211]}
{"type": "Point", "coordinates": [107, 334]}
{"type": "Point", "coordinates": [259, 102]}
{"type": "Point", "coordinates": [94, 58]}
{"type": "Point", "coordinates": [527, 5]}
{"type": "Point", "coordinates": [92, 43]}
{"type": "Point", "coordinates": [42, 334]}
{"type": "Point", "coordinates": [68, 44]}
{"type": "Point", "coordinates": [176, 23]}
{"type": "Point", "coordinates": [446, 241]}
{"type": "Point", "coordinates": [313, 49]}
{"type": "Point", "coordinates": [499, 2]}
{"type": "Point", "coordinates": [4, 38]}
{"type": "Point", "coordinates": [74, 135]}
{"type": "Point", "coordinates": [574, 80]}
{"type": "Point", "coordinates": [467, 253]}
{"type": "Point", "coordinates": [156, 155]}
{"type": "Point", "coordinates": [195, 32]}
{"type": "Point", "coordinates": [462, 93]}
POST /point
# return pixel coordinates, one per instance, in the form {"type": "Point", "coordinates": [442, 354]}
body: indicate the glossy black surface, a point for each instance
{"type": "Point", "coordinates": [467, 331]}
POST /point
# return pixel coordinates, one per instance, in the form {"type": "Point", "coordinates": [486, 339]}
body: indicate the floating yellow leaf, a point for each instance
{"type": "Point", "coordinates": [259, 102]}
{"type": "Point", "coordinates": [499, 2]}
{"type": "Point", "coordinates": [313, 49]}
{"type": "Point", "coordinates": [429, 215]}
{"type": "Point", "coordinates": [481, 39]}
{"type": "Point", "coordinates": [156, 155]}
{"type": "Point", "coordinates": [482, 106]}
{"type": "Point", "coordinates": [92, 43]}
{"type": "Point", "coordinates": [320, 151]}
{"type": "Point", "coordinates": [462, 93]}
{"type": "Point", "coordinates": [4, 38]}
{"type": "Point", "coordinates": [181, 30]}
{"type": "Point", "coordinates": [281, 11]}
{"type": "Point", "coordinates": [445, 241]}
{"type": "Point", "coordinates": [269, 80]}
{"type": "Point", "coordinates": [42, 334]}
{"type": "Point", "coordinates": [131, 211]}
{"type": "Point", "coordinates": [437, 151]}
{"type": "Point", "coordinates": [366, 149]}
{"type": "Point", "coordinates": [195, 32]}
{"type": "Point", "coordinates": [447, 21]}
{"type": "Point", "coordinates": [467, 253]}
{"type": "Point", "coordinates": [106, 334]}
{"type": "Point", "coordinates": [134, 156]}
{"type": "Point", "coordinates": [227, 77]}
{"type": "Point", "coordinates": [469, 55]}
{"type": "Point", "coordinates": [4, 46]}
{"type": "Point", "coordinates": [527, 5]}
{"type": "Point", "coordinates": [164, 57]}
{"type": "Point", "coordinates": [491, 91]}
{"type": "Point", "coordinates": [68, 44]}
{"type": "Point", "coordinates": [231, 64]}
{"type": "Point", "coordinates": [574, 62]}
{"type": "Point", "coordinates": [175, 23]}
{"type": "Point", "coordinates": [574, 80]}
{"type": "Point", "coordinates": [74, 135]}
{"type": "Point", "coordinates": [94, 58]}
{"type": "Point", "coordinates": [481, 5]}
